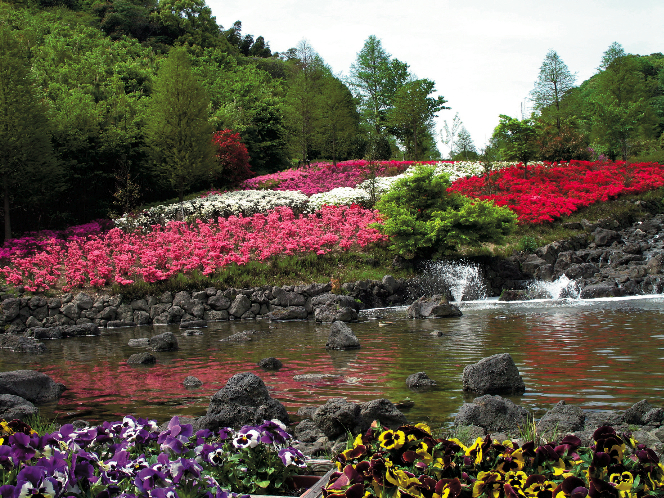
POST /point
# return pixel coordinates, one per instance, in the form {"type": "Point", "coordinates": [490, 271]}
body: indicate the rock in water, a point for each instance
{"type": "Point", "coordinates": [495, 374]}
{"type": "Point", "coordinates": [341, 337]}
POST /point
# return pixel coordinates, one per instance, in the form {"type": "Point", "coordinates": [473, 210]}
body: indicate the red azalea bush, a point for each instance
{"type": "Point", "coordinates": [233, 156]}
{"type": "Point", "coordinates": [179, 247]}
{"type": "Point", "coordinates": [550, 192]}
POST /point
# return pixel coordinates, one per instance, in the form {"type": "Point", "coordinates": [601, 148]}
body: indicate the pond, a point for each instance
{"type": "Point", "coordinates": [600, 354]}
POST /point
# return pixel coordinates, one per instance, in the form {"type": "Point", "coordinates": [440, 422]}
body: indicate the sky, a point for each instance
{"type": "Point", "coordinates": [483, 55]}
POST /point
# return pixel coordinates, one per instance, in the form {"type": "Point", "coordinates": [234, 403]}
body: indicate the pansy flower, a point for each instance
{"type": "Point", "coordinates": [392, 440]}
{"type": "Point", "coordinates": [249, 439]}
{"type": "Point", "coordinates": [489, 483]}
{"type": "Point", "coordinates": [292, 456]}
{"type": "Point", "coordinates": [537, 486]}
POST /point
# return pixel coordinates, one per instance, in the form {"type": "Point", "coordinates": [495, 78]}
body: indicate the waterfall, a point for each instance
{"type": "Point", "coordinates": [560, 288]}
{"type": "Point", "coordinates": [458, 279]}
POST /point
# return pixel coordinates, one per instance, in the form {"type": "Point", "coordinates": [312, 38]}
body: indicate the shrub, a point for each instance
{"type": "Point", "coordinates": [423, 219]}
{"type": "Point", "coordinates": [232, 156]}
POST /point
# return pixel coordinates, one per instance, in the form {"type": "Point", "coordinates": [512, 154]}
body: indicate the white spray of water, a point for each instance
{"type": "Point", "coordinates": [461, 278]}
{"type": "Point", "coordinates": [560, 288]}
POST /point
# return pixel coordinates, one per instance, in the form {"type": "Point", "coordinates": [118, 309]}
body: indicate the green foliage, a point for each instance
{"type": "Point", "coordinates": [178, 130]}
{"type": "Point", "coordinates": [424, 220]}
{"type": "Point", "coordinates": [516, 139]}
{"type": "Point", "coordinates": [27, 166]}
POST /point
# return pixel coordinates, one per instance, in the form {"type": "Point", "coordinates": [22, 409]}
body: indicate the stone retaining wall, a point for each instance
{"type": "Point", "coordinates": [314, 301]}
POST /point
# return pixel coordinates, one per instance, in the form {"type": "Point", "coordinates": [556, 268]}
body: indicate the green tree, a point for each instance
{"type": "Point", "coordinates": [302, 101]}
{"type": "Point", "coordinates": [621, 110]}
{"type": "Point", "coordinates": [375, 78]}
{"type": "Point", "coordinates": [553, 82]}
{"type": "Point", "coordinates": [339, 119]}
{"type": "Point", "coordinates": [26, 159]}
{"type": "Point", "coordinates": [188, 22]}
{"type": "Point", "coordinates": [464, 147]}
{"type": "Point", "coordinates": [424, 220]}
{"type": "Point", "coordinates": [177, 129]}
{"type": "Point", "coordinates": [516, 140]}
{"type": "Point", "coordinates": [412, 115]}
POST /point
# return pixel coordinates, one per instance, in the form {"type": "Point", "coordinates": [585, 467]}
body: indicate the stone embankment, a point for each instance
{"type": "Point", "coordinates": [39, 317]}
{"type": "Point", "coordinates": [607, 261]}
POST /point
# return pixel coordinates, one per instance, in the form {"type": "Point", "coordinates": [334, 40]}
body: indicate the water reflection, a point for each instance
{"type": "Point", "coordinates": [600, 355]}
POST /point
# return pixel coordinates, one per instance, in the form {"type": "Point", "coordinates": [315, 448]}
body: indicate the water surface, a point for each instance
{"type": "Point", "coordinates": [599, 354]}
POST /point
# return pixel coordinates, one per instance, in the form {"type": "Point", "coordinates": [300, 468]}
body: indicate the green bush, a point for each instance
{"type": "Point", "coordinates": [423, 219]}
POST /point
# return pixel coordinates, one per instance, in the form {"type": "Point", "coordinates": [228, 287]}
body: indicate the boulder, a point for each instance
{"type": "Point", "coordinates": [435, 306]}
{"type": "Point", "coordinates": [336, 417]}
{"type": "Point", "coordinates": [332, 313]}
{"type": "Point", "coordinates": [270, 363]}
{"type": "Point", "coordinates": [20, 344]}
{"type": "Point", "coordinates": [191, 381]}
{"type": "Point", "coordinates": [308, 432]}
{"type": "Point", "coordinates": [142, 359]}
{"type": "Point", "coordinates": [603, 289]}
{"type": "Point", "coordinates": [14, 407]}
{"type": "Point", "coordinates": [493, 414]}
{"type": "Point", "coordinates": [164, 342]}
{"type": "Point", "coordinates": [290, 313]}
{"type": "Point", "coordinates": [495, 374]}
{"type": "Point", "coordinates": [605, 237]}
{"type": "Point", "coordinates": [143, 342]}
{"type": "Point", "coordinates": [243, 400]}
{"type": "Point", "coordinates": [634, 414]}
{"type": "Point", "coordinates": [193, 324]}
{"type": "Point", "coordinates": [219, 302]}
{"type": "Point", "coordinates": [382, 410]}
{"type": "Point", "coordinates": [341, 337]}
{"type": "Point", "coordinates": [419, 380]}
{"type": "Point", "coordinates": [240, 306]}
{"type": "Point", "coordinates": [34, 386]}
{"type": "Point", "coordinates": [562, 419]}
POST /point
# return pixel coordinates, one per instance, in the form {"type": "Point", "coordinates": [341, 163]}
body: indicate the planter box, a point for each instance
{"type": "Point", "coordinates": [314, 483]}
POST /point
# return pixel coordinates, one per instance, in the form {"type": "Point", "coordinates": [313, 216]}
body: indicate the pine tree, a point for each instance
{"type": "Point", "coordinates": [553, 82]}
{"type": "Point", "coordinates": [27, 164]}
{"type": "Point", "coordinates": [178, 130]}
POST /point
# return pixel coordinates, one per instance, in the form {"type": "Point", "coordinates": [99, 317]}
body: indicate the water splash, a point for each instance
{"type": "Point", "coordinates": [561, 288]}
{"type": "Point", "coordinates": [459, 280]}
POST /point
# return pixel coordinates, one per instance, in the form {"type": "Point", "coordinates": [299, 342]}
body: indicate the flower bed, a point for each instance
{"type": "Point", "coordinates": [180, 247]}
{"type": "Point", "coordinates": [133, 458]}
{"type": "Point", "coordinates": [410, 462]}
{"type": "Point", "coordinates": [550, 192]}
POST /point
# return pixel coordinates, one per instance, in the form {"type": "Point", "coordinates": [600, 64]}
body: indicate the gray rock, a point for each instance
{"type": "Point", "coordinates": [240, 306]}
{"type": "Point", "coordinates": [315, 377]}
{"type": "Point", "coordinates": [15, 407]}
{"type": "Point", "coordinates": [603, 289]}
{"type": "Point", "coordinates": [191, 381]}
{"type": "Point", "coordinates": [282, 298]}
{"type": "Point", "coordinates": [164, 342]}
{"type": "Point", "coordinates": [116, 324]}
{"type": "Point", "coordinates": [34, 386]}
{"type": "Point", "coordinates": [83, 301]}
{"type": "Point", "coordinates": [653, 417]}
{"type": "Point", "coordinates": [219, 302]}
{"type": "Point", "coordinates": [193, 324]}
{"type": "Point", "coordinates": [140, 305]}
{"type": "Point", "coordinates": [307, 431]}
{"type": "Point", "coordinates": [143, 342]}
{"type": "Point", "coordinates": [341, 337]}
{"type": "Point", "coordinates": [634, 415]}
{"type": "Point", "coordinates": [492, 413]}
{"type": "Point", "coordinates": [10, 309]}
{"type": "Point", "coordinates": [333, 313]}
{"type": "Point", "coordinates": [20, 344]}
{"type": "Point", "coordinates": [562, 419]}
{"type": "Point", "coordinates": [142, 318]}
{"type": "Point", "coordinates": [244, 400]}
{"type": "Point", "coordinates": [183, 300]}
{"type": "Point", "coordinates": [142, 359]}
{"type": "Point", "coordinates": [382, 410]}
{"type": "Point", "coordinates": [70, 310]}
{"type": "Point", "coordinates": [434, 306]}
{"type": "Point", "coordinates": [605, 237]}
{"type": "Point", "coordinates": [215, 316]}
{"type": "Point", "coordinates": [270, 363]}
{"type": "Point", "coordinates": [594, 420]}
{"type": "Point", "coordinates": [495, 374]}
{"type": "Point", "coordinates": [337, 299]}
{"type": "Point", "coordinates": [336, 417]}
{"type": "Point", "coordinates": [419, 380]}
{"type": "Point", "coordinates": [290, 313]}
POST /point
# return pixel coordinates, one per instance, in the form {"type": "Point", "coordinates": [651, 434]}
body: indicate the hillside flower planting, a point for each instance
{"type": "Point", "coordinates": [133, 458]}
{"type": "Point", "coordinates": [180, 247]}
{"type": "Point", "coordinates": [410, 462]}
{"type": "Point", "coordinates": [550, 192]}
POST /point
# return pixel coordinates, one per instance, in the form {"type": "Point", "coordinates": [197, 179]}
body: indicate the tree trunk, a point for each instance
{"type": "Point", "coordinates": [8, 224]}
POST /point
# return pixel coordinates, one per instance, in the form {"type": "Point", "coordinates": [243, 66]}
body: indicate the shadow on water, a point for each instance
{"type": "Point", "coordinates": [600, 354]}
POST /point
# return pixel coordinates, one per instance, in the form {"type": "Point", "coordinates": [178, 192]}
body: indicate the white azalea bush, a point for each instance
{"type": "Point", "coordinates": [341, 196]}
{"type": "Point", "coordinates": [240, 202]}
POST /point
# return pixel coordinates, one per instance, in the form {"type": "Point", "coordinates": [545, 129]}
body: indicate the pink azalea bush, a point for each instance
{"type": "Point", "coordinates": [179, 247]}
{"type": "Point", "coordinates": [323, 177]}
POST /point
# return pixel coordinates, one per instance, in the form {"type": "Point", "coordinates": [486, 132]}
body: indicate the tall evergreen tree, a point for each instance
{"type": "Point", "coordinates": [27, 163]}
{"type": "Point", "coordinates": [339, 119]}
{"type": "Point", "coordinates": [553, 82]}
{"type": "Point", "coordinates": [178, 130]}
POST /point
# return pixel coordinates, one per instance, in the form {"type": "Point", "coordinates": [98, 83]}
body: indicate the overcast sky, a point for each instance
{"type": "Point", "coordinates": [483, 55]}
